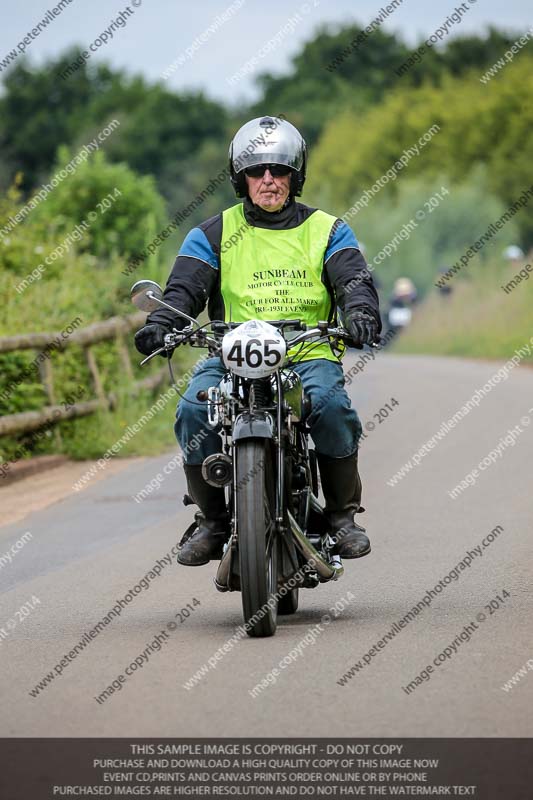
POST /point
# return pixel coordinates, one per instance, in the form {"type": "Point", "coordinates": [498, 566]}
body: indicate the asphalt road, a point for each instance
{"type": "Point", "coordinates": [90, 548]}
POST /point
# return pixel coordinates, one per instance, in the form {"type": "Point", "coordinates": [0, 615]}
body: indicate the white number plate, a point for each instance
{"type": "Point", "coordinates": [253, 349]}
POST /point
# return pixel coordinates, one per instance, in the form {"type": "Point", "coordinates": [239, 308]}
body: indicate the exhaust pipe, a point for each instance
{"type": "Point", "coordinates": [325, 570]}
{"type": "Point", "coordinates": [222, 576]}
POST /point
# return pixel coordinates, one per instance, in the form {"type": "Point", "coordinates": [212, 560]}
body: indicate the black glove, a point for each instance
{"type": "Point", "coordinates": [362, 326]}
{"type": "Point", "coordinates": [150, 338]}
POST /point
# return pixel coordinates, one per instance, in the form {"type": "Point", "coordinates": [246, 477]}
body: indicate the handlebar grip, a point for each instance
{"type": "Point", "coordinates": [297, 324]}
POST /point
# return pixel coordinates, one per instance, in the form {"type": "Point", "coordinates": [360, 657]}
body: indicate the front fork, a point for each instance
{"type": "Point", "coordinates": [280, 456]}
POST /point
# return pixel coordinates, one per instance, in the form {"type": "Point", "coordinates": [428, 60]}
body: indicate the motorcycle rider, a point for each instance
{"type": "Point", "coordinates": [402, 300]}
{"type": "Point", "coordinates": [271, 257]}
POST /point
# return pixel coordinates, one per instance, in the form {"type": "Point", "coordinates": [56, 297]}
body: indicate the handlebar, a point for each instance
{"type": "Point", "coordinates": [197, 336]}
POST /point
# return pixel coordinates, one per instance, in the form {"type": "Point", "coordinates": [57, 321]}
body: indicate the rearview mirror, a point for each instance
{"type": "Point", "coordinates": [143, 293]}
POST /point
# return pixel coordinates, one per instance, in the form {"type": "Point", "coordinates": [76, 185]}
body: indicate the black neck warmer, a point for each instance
{"type": "Point", "coordinates": [284, 218]}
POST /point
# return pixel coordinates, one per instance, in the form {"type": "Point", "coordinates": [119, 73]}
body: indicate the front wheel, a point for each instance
{"type": "Point", "coordinates": [256, 535]}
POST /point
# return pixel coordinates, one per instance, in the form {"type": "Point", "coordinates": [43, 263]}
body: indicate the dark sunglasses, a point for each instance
{"type": "Point", "coordinates": [276, 170]}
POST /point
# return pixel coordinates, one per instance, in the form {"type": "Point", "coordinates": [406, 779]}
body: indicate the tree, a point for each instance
{"type": "Point", "coordinates": [478, 125]}
{"type": "Point", "coordinates": [131, 216]}
{"type": "Point", "coordinates": [41, 111]}
{"type": "Point", "coordinates": [328, 76]}
{"type": "Point", "coordinates": [347, 69]}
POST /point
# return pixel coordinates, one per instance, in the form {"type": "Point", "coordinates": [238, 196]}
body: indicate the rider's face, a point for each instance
{"type": "Point", "coordinates": [269, 193]}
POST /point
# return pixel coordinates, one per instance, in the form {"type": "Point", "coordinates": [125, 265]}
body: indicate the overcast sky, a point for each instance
{"type": "Point", "coordinates": [158, 32]}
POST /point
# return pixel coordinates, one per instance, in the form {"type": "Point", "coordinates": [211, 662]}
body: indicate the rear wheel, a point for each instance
{"type": "Point", "coordinates": [288, 604]}
{"type": "Point", "coordinates": [257, 538]}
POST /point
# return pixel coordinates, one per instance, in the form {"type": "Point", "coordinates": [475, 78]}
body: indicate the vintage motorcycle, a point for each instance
{"type": "Point", "coordinates": [279, 540]}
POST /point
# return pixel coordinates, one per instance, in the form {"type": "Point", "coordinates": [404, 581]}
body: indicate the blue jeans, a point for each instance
{"type": "Point", "coordinates": [335, 425]}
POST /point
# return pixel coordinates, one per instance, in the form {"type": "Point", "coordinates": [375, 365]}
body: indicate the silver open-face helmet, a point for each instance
{"type": "Point", "coordinates": [267, 140]}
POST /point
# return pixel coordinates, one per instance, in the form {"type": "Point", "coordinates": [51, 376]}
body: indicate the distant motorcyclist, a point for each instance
{"type": "Point", "coordinates": [402, 299]}
{"type": "Point", "coordinates": [270, 257]}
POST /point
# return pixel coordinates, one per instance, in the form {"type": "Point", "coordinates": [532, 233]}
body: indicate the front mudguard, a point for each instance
{"type": "Point", "coordinates": [253, 425]}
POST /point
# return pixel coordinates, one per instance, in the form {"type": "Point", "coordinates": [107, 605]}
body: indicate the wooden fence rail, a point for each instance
{"type": "Point", "coordinates": [114, 328]}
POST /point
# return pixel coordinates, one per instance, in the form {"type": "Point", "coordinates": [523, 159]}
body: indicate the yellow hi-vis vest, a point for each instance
{"type": "Point", "coordinates": [276, 274]}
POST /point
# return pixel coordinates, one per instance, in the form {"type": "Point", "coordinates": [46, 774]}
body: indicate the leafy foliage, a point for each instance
{"type": "Point", "coordinates": [435, 234]}
{"type": "Point", "coordinates": [40, 111]}
{"type": "Point", "coordinates": [86, 280]}
{"type": "Point", "coordinates": [133, 214]}
{"type": "Point", "coordinates": [329, 76]}
{"type": "Point", "coordinates": [478, 126]}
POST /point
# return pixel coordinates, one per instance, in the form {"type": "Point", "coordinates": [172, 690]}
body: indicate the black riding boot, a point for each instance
{"type": "Point", "coordinates": [341, 486]}
{"type": "Point", "coordinates": [207, 541]}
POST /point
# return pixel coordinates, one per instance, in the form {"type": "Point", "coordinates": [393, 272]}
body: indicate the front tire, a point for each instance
{"type": "Point", "coordinates": [257, 538]}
